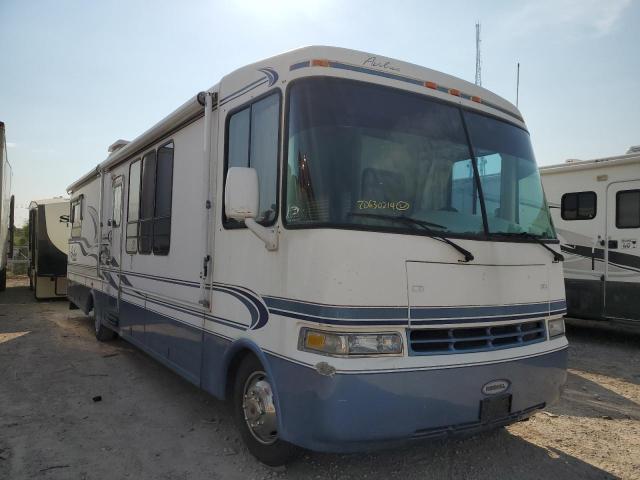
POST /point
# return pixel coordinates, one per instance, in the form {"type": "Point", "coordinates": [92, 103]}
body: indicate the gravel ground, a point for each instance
{"type": "Point", "coordinates": [151, 424]}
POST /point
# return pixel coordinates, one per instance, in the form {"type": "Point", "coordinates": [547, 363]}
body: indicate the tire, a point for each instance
{"type": "Point", "coordinates": [103, 334]}
{"type": "Point", "coordinates": [3, 279]}
{"type": "Point", "coordinates": [252, 383]}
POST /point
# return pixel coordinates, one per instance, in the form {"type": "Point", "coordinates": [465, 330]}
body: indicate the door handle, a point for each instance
{"type": "Point", "coordinates": [613, 244]}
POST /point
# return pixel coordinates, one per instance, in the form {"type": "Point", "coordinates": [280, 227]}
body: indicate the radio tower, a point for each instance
{"type": "Point", "coordinates": [478, 61]}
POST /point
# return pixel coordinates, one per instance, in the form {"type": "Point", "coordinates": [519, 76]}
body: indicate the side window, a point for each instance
{"type": "Point", "coordinates": [252, 141]}
{"type": "Point", "coordinates": [76, 216]}
{"type": "Point", "coordinates": [147, 203]}
{"type": "Point", "coordinates": [628, 209]}
{"type": "Point", "coordinates": [238, 139]}
{"type": "Point", "coordinates": [116, 214]}
{"type": "Point", "coordinates": [163, 197]}
{"type": "Point", "coordinates": [133, 206]}
{"type": "Point", "coordinates": [578, 206]}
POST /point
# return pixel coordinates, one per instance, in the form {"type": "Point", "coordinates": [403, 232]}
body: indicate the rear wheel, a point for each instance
{"type": "Point", "coordinates": [256, 416]}
{"type": "Point", "coordinates": [3, 279]}
{"type": "Point", "coordinates": [103, 334]}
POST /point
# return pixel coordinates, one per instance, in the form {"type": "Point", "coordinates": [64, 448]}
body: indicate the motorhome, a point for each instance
{"type": "Point", "coordinates": [595, 205]}
{"type": "Point", "coordinates": [49, 230]}
{"type": "Point", "coordinates": [353, 250]}
{"type": "Point", "coordinates": [6, 209]}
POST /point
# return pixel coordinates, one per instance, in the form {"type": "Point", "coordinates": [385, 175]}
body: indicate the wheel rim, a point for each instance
{"type": "Point", "coordinates": [259, 409]}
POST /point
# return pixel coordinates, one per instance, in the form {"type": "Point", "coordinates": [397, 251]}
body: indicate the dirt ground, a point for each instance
{"type": "Point", "coordinates": [151, 424]}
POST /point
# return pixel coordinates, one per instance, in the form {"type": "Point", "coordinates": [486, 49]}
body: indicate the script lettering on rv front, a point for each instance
{"type": "Point", "coordinates": [400, 206]}
{"type": "Point", "coordinates": [374, 62]}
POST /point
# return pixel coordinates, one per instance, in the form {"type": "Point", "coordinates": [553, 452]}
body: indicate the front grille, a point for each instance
{"type": "Point", "coordinates": [475, 339]}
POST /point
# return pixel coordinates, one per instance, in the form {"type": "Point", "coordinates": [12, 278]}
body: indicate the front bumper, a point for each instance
{"type": "Point", "coordinates": [360, 411]}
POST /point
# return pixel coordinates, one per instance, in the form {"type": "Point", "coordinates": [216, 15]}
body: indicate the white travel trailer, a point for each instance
{"type": "Point", "coordinates": [595, 205]}
{"type": "Point", "coordinates": [49, 230]}
{"type": "Point", "coordinates": [6, 210]}
{"type": "Point", "coordinates": [310, 239]}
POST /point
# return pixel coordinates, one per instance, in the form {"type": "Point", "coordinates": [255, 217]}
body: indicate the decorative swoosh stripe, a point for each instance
{"type": "Point", "coordinates": [403, 78]}
{"type": "Point", "coordinates": [270, 78]}
{"type": "Point", "coordinates": [625, 261]}
{"type": "Point", "coordinates": [260, 307]}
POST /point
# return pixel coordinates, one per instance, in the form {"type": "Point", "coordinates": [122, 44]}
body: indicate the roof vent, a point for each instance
{"type": "Point", "coordinates": [634, 149]}
{"type": "Point", "coordinates": [117, 145]}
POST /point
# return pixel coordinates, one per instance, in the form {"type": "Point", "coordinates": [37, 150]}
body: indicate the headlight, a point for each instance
{"type": "Point", "coordinates": [556, 327]}
{"type": "Point", "coordinates": [344, 344]}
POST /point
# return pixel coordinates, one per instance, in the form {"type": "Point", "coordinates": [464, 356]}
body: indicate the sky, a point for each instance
{"type": "Point", "coordinates": [77, 75]}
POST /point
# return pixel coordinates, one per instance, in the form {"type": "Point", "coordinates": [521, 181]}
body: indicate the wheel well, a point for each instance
{"type": "Point", "coordinates": [235, 362]}
{"type": "Point", "coordinates": [90, 303]}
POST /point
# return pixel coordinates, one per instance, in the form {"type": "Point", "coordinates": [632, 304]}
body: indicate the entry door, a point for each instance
{"type": "Point", "coordinates": [622, 269]}
{"type": "Point", "coordinates": [111, 256]}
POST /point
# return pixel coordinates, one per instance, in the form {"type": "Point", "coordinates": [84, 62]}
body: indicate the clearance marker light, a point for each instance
{"type": "Point", "coordinates": [432, 85]}
{"type": "Point", "coordinates": [476, 99]}
{"type": "Point", "coordinates": [319, 63]}
{"type": "Point", "coordinates": [454, 91]}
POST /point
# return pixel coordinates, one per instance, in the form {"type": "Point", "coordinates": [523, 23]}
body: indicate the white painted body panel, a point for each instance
{"type": "Point", "coordinates": [5, 199]}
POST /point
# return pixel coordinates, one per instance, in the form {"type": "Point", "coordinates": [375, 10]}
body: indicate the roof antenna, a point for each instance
{"type": "Point", "coordinates": [478, 62]}
{"type": "Point", "coordinates": [517, 84]}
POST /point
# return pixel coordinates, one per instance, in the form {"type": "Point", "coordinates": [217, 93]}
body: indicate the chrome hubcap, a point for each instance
{"type": "Point", "coordinates": [259, 409]}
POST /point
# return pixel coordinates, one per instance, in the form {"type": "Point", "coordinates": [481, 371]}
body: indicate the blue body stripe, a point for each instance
{"type": "Point", "coordinates": [331, 311]}
{"type": "Point", "coordinates": [298, 65]}
{"type": "Point", "coordinates": [392, 76]}
{"type": "Point", "coordinates": [358, 315]}
{"type": "Point", "coordinates": [355, 315]}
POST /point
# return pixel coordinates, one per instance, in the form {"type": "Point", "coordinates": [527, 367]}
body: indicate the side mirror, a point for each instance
{"type": "Point", "coordinates": [242, 201]}
{"type": "Point", "coordinates": [241, 194]}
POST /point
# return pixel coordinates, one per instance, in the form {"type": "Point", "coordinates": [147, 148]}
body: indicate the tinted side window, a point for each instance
{"type": "Point", "coordinates": [579, 206]}
{"type": "Point", "coordinates": [239, 138]}
{"type": "Point", "coordinates": [116, 215]}
{"type": "Point", "coordinates": [252, 141]}
{"type": "Point", "coordinates": [147, 203]}
{"type": "Point", "coordinates": [628, 209]}
{"type": "Point", "coordinates": [163, 198]}
{"type": "Point", "coordinates": [133, 206]}
{"type": "Point", "coordinates": [76, 216]}
{"type": "Point", "coordinates": [263, 155]}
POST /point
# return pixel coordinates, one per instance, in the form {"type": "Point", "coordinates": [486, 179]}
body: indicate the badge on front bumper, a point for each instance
{"type": "Point", "coordinates": [495, 387]}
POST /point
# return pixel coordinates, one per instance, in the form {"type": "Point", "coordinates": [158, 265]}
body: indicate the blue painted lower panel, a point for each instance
{"type": "Point", "coordinates": [79, 295]}
{"type": "Point", "coordinates": [360, 411]}
{"type": "Point", "coordinates": [348, 412]}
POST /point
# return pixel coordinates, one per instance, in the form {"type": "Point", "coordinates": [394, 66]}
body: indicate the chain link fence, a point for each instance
{"type": "Point", "coordinates": [19, 264]}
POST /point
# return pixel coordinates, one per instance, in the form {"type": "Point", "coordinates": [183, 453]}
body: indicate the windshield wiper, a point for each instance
{"type": "Point", "coordinates": [426, 226]}
{"type": "Point", "coordinates": [557, 257]}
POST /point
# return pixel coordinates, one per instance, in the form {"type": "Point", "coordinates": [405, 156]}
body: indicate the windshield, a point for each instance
{"type": "Point", "coordinates": [356, 148]}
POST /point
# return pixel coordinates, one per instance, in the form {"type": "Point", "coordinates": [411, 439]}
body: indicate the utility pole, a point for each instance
{"type": "Point", "coordinates": [478, 61]}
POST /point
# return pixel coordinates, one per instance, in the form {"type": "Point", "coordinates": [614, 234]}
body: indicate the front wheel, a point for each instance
{"type": "Point", "coordinates": [256, 416]}
{"type": "Point", "coordinates": [103, 334]}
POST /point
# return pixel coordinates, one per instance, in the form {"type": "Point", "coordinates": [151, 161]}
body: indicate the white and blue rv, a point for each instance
{"type": "Point", "coordinates": [354, 250]}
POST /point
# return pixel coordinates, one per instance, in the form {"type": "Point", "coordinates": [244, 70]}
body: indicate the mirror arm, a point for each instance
{"type": "Point", "coordinates": [268, 235]}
